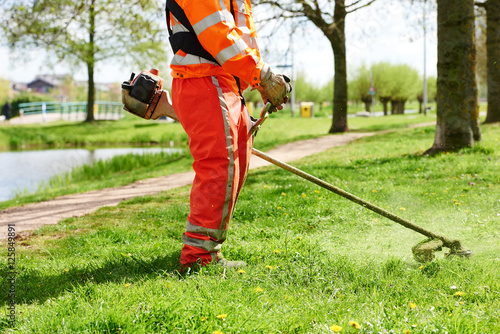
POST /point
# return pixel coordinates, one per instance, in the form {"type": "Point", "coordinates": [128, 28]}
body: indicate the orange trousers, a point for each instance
{"type": "Point", "coordinates": [218, 127]}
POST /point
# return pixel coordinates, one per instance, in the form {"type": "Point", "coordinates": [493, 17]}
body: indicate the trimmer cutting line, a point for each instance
{"type": "Point", "coordinates": [422, 252]}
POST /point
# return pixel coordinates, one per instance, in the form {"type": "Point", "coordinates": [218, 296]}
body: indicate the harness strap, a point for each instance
{"type": "Point", "coordinates": [185, 41]}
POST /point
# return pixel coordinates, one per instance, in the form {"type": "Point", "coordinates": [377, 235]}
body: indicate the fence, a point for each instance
{"type": "Point", "coordinates": [103, 110]}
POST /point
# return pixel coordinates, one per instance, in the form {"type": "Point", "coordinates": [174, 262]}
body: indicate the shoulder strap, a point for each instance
{"type": "Point", "coordinates": [185, 41]}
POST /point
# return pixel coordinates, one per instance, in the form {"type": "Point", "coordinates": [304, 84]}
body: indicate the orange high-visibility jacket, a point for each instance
{"type": "Point", "coordinates": [231, 41]}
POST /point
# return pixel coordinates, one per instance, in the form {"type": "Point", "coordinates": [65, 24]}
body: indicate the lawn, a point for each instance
{"type": "Point", "coordinates": [133, 131]}
{"type": "Point", "coordinates": [317, 263]}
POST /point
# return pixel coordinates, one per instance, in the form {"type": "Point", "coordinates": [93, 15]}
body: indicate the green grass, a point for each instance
{"type": "Point", "coordinates": [135, 131]}
{"type": "Point", "coordinates": [278, 129]}
{"type": "Point", "coordinates": [314, 259]}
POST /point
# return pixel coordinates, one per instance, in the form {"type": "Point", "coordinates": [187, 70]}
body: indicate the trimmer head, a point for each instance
{"type": "Point", "coordinates": [425, 250]}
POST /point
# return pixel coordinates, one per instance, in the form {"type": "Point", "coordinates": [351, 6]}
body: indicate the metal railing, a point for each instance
{"type": "Point", "coordinates": [103, 110]}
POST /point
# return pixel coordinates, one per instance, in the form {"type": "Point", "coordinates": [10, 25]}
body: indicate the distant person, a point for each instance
{"type": "Point", "coordinates": [6, 110]}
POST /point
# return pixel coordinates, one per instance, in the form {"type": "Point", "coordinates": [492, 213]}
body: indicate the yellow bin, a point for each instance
{"type": "Point", "coordinates": [307, 109]}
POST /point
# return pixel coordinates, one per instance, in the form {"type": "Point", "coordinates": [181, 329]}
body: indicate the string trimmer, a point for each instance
{"type": "Point", "coordinates": [424, 251]}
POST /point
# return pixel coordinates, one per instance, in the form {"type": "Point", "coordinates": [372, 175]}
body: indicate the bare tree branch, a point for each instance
{"type": "Point", "coordinates": [355, 9]}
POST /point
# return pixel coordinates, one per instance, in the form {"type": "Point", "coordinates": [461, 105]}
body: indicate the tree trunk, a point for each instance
{"type": "Point", "coordinates": [457, 97]}
{"type": "Point", "coordinates": [384, 100]}
{"type": "Point", "coordinates": [493, 60]}
{"type": "Point", "coordinates": [90, 65]}
{"type": "Point", "coordinates": [367, 100]}
{"type": "Point", "coordinates": [420, 99]}
{"type": "Point", "coordinates": [337, 40]}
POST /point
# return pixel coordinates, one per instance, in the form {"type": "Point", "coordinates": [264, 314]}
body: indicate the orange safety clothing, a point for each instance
{"type": "Point", "coordinates": [206, 99]}
{"type": "Point", "coordinates": [232, 41]}
{"type": "Point", "coordinates": [218, 128]}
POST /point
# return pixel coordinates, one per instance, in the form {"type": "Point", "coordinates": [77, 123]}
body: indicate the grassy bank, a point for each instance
{"type": "Point", "coordinates": [316, 262]}
{"type": "Point", "coordinates": [277, 130]}
{"type": "Point", "coordinates": [135, 131]}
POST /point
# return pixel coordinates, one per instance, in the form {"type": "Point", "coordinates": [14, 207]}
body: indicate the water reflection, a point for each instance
{"type": "Point", "coordinates": [26, 169]}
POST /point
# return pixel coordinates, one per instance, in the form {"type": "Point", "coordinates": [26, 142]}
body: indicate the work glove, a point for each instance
{"type": "Point", "coordinates": [274, 87]}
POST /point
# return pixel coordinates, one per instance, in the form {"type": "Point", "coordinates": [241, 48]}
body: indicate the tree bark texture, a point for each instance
{"type": "Point", "coordinates": [90, 65]}
{"type": "Point", "coordinates": [457, 97]}
{"type": "Point", "coordinates": [493, 60]}
{"type": "Point", "coordinates": [337, 40]}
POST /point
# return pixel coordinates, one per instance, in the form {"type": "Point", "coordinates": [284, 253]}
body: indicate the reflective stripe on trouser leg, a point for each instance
{"type": "Point", "coordinates": [217, 125]}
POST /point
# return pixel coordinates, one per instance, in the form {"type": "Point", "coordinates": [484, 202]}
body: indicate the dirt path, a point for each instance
{"type": "Point", "coordinates": [32, 216]}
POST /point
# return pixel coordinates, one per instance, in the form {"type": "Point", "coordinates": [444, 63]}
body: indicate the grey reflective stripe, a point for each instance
{"type": "Point", "coordinates": [237, 48]}
{"type": "Point", "coordinates": [189, 59]}
{"type": "Point", "coordinates": [178, 27]}
{"type": "Point", "coordinates": [227, 14]}
{"type": "Point", "coordinates": [230, 168]}
{"type": "Point", "coordinates": [208, 21]}
{"type": "Point", "coordinates": [219, 234]}
{"type": "Point", "coordinates": [208, 245]}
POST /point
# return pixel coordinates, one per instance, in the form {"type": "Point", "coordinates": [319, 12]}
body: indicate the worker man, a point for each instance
{"type": "Point", "coordinates": [216, 58]}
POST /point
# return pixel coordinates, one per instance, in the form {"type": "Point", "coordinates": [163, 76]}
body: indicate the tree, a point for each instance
{"type": "Point", "coordinates": [87, 32]}
{"type": "Point", "coordinates": [329, 16]}
{"type": "Point", "coordinates": [382, 81]}
{"type": "Point", "coordinates": [405, 85]}
{"type": "Point", "coordinates": [457, 100]}
{"type": "Point", "coordinates": [493, 55]}
{"type": "Point", "coordinates": [5, 91]}
{"type": "Point", "coordinates": [359, 86]}
{"type": "Point", "coordinates": [431, 92]}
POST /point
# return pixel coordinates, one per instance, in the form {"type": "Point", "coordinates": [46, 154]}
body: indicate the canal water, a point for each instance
{"type": "Point", "coordinates": [25, 170]}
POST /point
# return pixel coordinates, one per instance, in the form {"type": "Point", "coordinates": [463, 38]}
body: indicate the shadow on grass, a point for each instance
{"type": "Point", "coordinates": [32, 286]}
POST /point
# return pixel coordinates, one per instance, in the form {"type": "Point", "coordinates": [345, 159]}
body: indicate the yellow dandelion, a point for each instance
{"type": "Point", "coordinates": [204, 319]}
{"type": "Point", "coordinates": [374, 191]}
{"type": "Point", "coordinates": [276, 251]}
{"type": "Point", "coordinates": [279, 207]}
{"type": "Point", "coordinates": [259, 289]}
{"type": "Point", "coordinates": [217, 332]}
{"type": "Point", "coordinates": [461, 303]}
{"type": "Point", "coordinates": [269, 267]}
{"type": "Point", "coordinates": [406, 331]}
{"type": "Point", "coordinates": [316, 191]}
{"type": "Point", "coordinates": [433, 193]}
{"type": "Point", "coordinates": [459, 294]}
{"type": "Point", "coordinates": [336, 328]}
{"type": "Point", "coordinates": [299, 238]}
{"type": "Point", "coordinates": [222, 316]}
{"type": "Point", "coordinates": [445, 191]}
{"type": "Point", "coordinates": [283, 194]}
{"type": "Point", "coordinates": [265, 186]}
{"type": "Point", "coordinates": [402, 209]}
{"type": "Point", "coordinates": [418, 168]}
{"type": "Point", "coordinates": [355, 324]}
{"type": "Point", "coordinates": [65, 269]}
{"type": "Point", "coordinates": [421, 267]}
{"type": "Point", "coordinates": [320, 198]}
{"type": "Point", "coordinates": [304, 195]}
{"type": "Point", "coordinates": [127, 285]}
{"type": "Point", "coordinates": [285, 214]}
{"type": "Point", "coordinates": [413, 306]}
{"type": "Point", "coordinates": [462, 195]}
{"type": "Point", "coordinates": [241, 271]}
{"type": "Point", "coordinates": [457, 203]}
